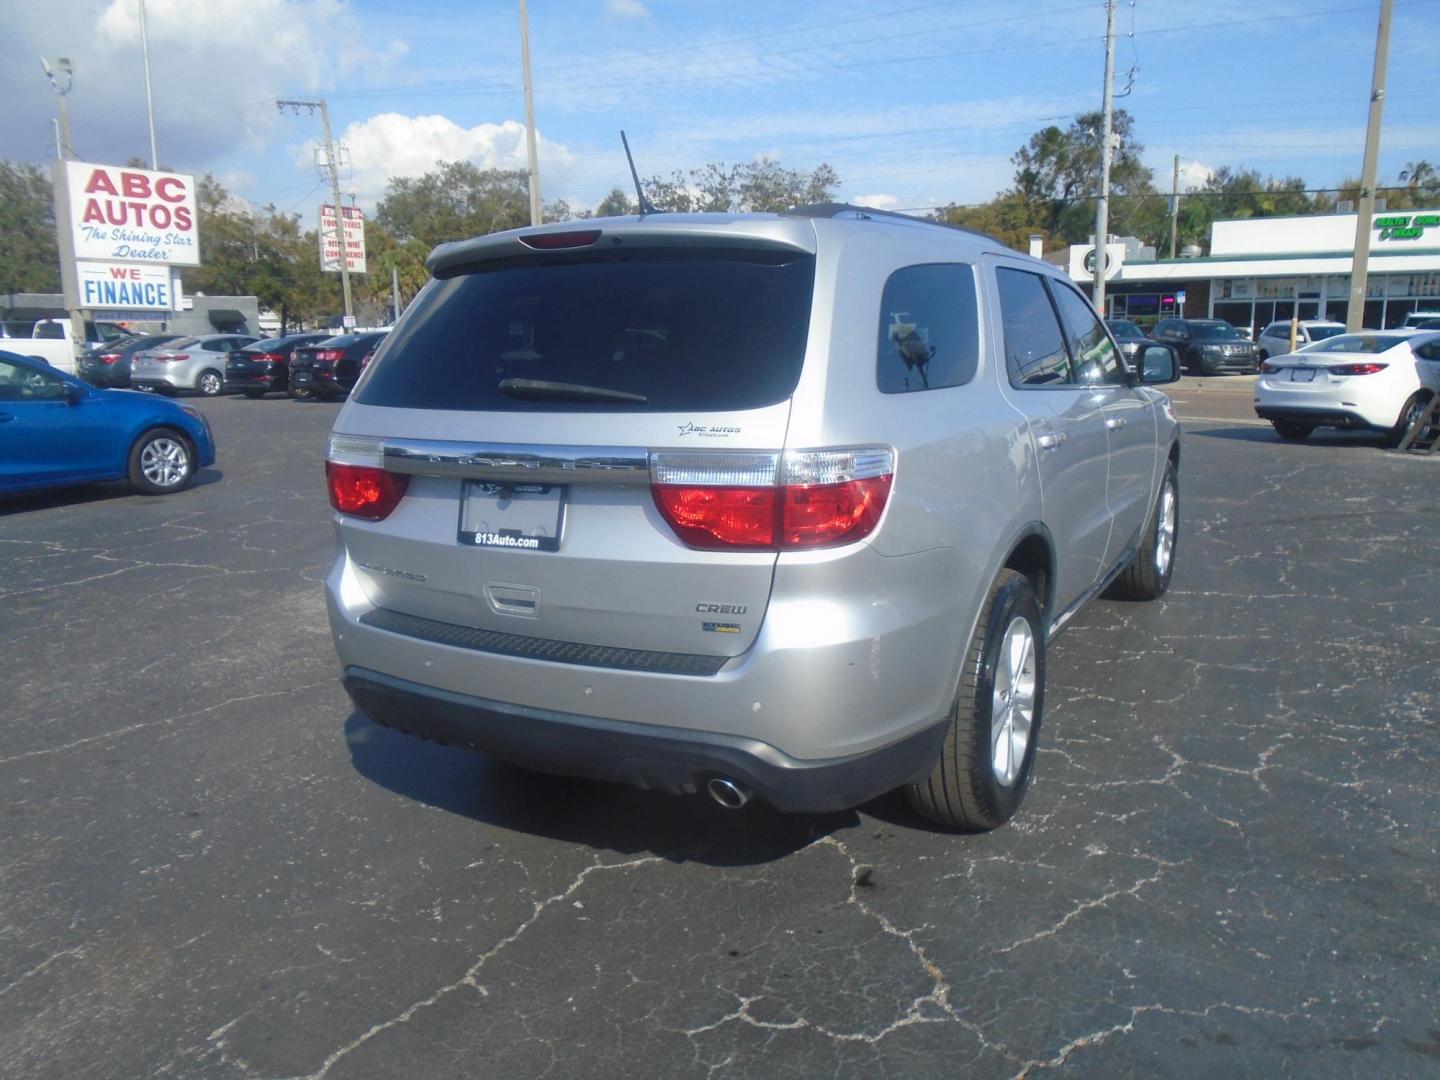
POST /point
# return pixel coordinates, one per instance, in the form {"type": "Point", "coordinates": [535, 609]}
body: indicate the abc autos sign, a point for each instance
{"type": "Point", "coordinates": [132, 215]}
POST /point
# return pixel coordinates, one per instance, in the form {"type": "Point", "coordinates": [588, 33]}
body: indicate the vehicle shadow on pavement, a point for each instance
{"type": "Point", "coordinates": [1265, 435]}
{"type": "Point", "coordinates": [93, 493]}
{"type": "Point", "coordinates": [612, 817]}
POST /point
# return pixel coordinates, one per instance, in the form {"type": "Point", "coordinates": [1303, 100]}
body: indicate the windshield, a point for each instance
{"type": "Point", "coordinates": [265, 346]}
{"type": "Point", "coordinates": [650, 331]}
{"type": "Point", "coordinates": [1320, 333]}
{"type": "Point", "coordinates": [1215, 331]}
{"type": "Point", "coordinates": [1124, 330]}
{"type": "Point", "coordinates": [1357, 343]}
{"type": "Point", "coordinates": [183, 343]}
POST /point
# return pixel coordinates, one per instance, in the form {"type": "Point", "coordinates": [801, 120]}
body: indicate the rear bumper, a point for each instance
{"type": "Point", "coordinates": [254, 380]}
{"type": "Point", "coordinates": [644, 755]}
{"type": "Point", "coordinates": [1317, 417]}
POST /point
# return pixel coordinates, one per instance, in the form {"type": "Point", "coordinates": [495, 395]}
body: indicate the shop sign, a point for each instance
{"type": "Point", "coordinates": [1405, 226]}
{"type": "Point", "coordinates": [132, 215]}
{"type": "Point", "coordinates": [127, 287]}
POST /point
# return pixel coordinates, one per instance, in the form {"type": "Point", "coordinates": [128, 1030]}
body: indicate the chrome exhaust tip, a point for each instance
{"type": "Point", "coordinates": [728, 793]}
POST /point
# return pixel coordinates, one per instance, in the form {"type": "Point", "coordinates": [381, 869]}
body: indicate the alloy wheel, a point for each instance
{"type": "Point", "coordinates": [1012, 706]}
{"type": "Point", "coordinates": [165, 462]}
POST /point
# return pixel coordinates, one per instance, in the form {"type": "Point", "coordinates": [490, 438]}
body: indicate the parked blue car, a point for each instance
{"type": "Point", "coordinates": [56, 431]}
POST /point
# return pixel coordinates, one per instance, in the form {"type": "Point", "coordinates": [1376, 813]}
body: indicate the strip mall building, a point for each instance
{"type": "Point", "coordinates": [1263, 269]}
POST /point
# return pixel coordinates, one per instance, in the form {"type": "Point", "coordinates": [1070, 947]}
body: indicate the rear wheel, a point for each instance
{"type": "Point", "coordinates": [210, 383]}
{"type": "Point", "coordinates": [1287, 430]}
{"type": "Point", "coordinates": [1148, 575]}
{"type": "Point", "coordinates": [989, 753]}
{"type": "Point", "coordinates": [1409, 416]}
{"type": "Point", "coordinates": [161, 462]}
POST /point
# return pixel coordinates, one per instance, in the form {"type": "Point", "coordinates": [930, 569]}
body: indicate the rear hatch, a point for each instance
{"type": "Point", "coordinates": [525, 396]}
{"type": "Point", "coordinates": [302, 364]}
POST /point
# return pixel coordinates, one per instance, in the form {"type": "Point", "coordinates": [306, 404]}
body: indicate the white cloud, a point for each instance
{"type": "Point", "coordinates": [393, 145]}
{"type": "Point", "coordinates": [879, 202]}
{"type": "Point", "coordinates": [627, 9]}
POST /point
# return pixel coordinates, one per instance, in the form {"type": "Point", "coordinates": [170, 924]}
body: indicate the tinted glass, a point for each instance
{"type": "Point", "coordinates": [929, 333]}
{"type": "Point", "coordinates": [1125, 331]}
{"type": "Point", "coordinates": [268, 345]}
{"type": "Point", "coordinates": [184, 343]}
{"type": "Point", "coordinates": [1094, 357]}
{"type": "Point", "coordinates": [21, 383]}
{"type": "Point", "coordinates": [1215, 331]}
{"type": "Point", "coordinates": [1034, 350]}
{"type": "Point", "coordinates": [49, 330]}
{"type": "Point", "coordinates": [1320, 333]}
{"type": "Point", "coordinates": [680, 330]}
{"type": "Point", "coordinates": [1358, 343]}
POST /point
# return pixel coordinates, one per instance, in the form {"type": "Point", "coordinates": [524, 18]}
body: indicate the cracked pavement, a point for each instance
{"type": "Point", "coordinates": [212, 868]}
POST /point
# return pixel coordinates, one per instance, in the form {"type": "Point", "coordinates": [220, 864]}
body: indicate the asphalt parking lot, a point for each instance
{"type": "Point", "coordinates": [211, 867]}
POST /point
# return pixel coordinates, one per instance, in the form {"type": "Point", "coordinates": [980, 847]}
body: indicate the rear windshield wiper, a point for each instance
{"type": "Point", "coordinates": [541, 389]}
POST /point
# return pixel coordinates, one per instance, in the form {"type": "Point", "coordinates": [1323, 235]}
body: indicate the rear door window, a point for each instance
{"type": "Point", "coordinates": [929, 333]}
{"type": "Point", "coordinates": [1035, 352]}
{"type": "Point", "coordinates": [677, 330]}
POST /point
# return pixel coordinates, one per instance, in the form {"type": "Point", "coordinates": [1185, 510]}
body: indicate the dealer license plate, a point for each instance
{"type": "Point", "coordinates": [518, 517]}
{"type": "Point", "coordinates": [1302, 374]}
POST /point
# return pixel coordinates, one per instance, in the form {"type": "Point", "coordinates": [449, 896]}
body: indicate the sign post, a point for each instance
{"type": "Point", "coordinates": [65, 242]}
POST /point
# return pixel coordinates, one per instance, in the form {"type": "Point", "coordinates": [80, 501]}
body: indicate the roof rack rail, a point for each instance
{"type": "Point", "coordinates": [834, 210]}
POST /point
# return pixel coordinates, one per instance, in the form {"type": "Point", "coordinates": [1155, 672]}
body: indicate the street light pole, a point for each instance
{"type": "Point", "coordinates": [530, 151]}
{"type": "Point", "coordinates": [1360, 267]}
{"type": "Point", "coordinates": [64, 71]}
{"type": "Point", "coordinates": [1102, 208]}
{"type": "Point", "coordinates": [149, 94]}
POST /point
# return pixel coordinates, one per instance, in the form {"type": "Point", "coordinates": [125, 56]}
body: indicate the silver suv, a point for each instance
{"type": "Point", "coordinates": [776, 505]}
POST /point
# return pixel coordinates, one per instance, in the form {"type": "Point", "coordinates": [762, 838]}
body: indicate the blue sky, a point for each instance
{"type": "Point", "coordinates": [914, 104]}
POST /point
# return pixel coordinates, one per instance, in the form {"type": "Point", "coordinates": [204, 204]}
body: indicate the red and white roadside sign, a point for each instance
{"type": "Point", "coordinates": [119, 214]}
{"type": "Point", "coordinates": [354, 239]}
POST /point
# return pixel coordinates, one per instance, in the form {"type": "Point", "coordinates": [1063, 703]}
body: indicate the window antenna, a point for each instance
{"type": "Point", "coordinates": [646, 206]}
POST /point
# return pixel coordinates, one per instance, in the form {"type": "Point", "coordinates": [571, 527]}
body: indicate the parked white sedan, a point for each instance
{"type": "Point", "coordinates": [1375, 380]}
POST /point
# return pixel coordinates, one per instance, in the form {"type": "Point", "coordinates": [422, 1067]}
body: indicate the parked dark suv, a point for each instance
{"type": "Point", "coordinates": [1208, 346]}
{"type": "Point", "coordinates": [264, 366]}
{"type": "Point", "coordinates": [329, 369]}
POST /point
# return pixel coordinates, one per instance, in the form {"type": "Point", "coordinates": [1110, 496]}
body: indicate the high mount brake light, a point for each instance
{"type": "Point", "coordinates": [1358, 369]}
{"type": "Point", "coordinates": [557, 240]}
{"type": "Point", "coordinates": [800, 500]}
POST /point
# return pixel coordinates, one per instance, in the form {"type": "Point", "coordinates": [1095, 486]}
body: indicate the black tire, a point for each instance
{"type": "Point", "coordinates": [1264, 356]}
{"type": "Point", "coordinates": [254, 395]}
{"type": "Point", "coordinates": [210, 382]}
{"type": "Point", "coordinates": [1148, 574]}
{"type": "Point", "coordinates": [1288, 430]}
{"type": "Point", "coordinates": [1409, 413]}
{"type": "Point", "coordinates": [148, 473]}
{"type": "Point", "coordinates": [300, 395]}
{"type": "Point", "coordinates": [963, 791]}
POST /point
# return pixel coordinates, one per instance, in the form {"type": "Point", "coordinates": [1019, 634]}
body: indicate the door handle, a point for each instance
{"type": "Point", "coordinates": [1051, 440]}
{"type": "Point", "coordinates": [1115, 423]}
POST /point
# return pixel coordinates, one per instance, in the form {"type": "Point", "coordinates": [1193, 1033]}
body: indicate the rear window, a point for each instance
{"type": "Point", "coordinates": [1215, 331]}
{"type": "Point", "coordinates": [680, 330]}
{"type": "Point", "coordinates": [1320, 333]}
{"type": "Point", "coordinates": [1357, 343]}
{"type": "Point", "coordinates": [929, 332]}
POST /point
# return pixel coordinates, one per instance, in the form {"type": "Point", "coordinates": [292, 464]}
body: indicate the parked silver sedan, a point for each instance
{"type": "Point", "coordinates": [192, 363]}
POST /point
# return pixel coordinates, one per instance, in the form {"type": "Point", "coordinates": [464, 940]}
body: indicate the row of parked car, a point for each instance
{"type": "Point", "coordinates": [1214, 347]}
{"type": "Point", "coordinates": [315, 364]}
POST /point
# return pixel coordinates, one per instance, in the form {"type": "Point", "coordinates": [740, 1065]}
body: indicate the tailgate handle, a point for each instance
{"type": "Point", "coordinates": [522, 600]}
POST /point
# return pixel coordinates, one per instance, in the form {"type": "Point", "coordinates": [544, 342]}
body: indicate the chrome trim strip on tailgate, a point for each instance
{"type": "Point", "coordinates": [533, 648]}
{"type": "Point", "coordinates": [518, 462]}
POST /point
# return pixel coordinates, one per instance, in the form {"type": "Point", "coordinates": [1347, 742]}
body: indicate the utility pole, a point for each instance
{"type": "Point", "coordinates": [149, 94]}
{"type": "Point", "coordinates": [1174, 205]}
{"type": "Point", "coordinates": [332, 164]}
{"type": "Point", "coordinates": [395, 292]}
{"type": "Point", "coordinates": [530, 151]}
{"type": "Point", "coordinates": [1360, 268]}
{"type": "Point", "coordinates": [62, 78]}
{"type": "Point", "coordinates": [1102, 209]}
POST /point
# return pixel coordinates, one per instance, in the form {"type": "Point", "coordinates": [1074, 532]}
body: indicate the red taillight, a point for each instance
{"type": "Point", "coordinates": [770, 502]}
{"type": "Point", "coordinates": [365, 360]}
{"type": "Point", "coordinates": [267, 357]}
{"type": "Point", "coordinates": [364, 491]}
{"type": "Point", "coordinates": [1268, 368]}
{"type": "Point", "coordinates": [328, 355]}
{"type": "Point", "coordinates": [554, 240]}
{"type": "Point", "coordinates": [1358, 369]}
{"type": "Point", "coordinates": [109, 358]}
{"type": "Point", "coordinates": [170, 358]}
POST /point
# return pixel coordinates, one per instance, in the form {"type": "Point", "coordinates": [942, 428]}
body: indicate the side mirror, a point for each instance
{"type": "Point", "coordinates": [1156, 364]}
{"type": "Point", "coordinates": [75, 394]}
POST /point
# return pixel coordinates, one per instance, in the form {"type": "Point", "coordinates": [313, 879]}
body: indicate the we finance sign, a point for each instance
{"type": "Point", "coordinates": [132, 215]}
{"type": "Point", "coordinates": [126, 287]}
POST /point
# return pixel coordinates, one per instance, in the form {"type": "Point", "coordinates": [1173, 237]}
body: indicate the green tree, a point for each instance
{"type": "Point", "coordinates": [760, 185]}
{"type": "Point", "coordinates": [29, 259]}
{"type": "Point", "coordinates": [455, 201]}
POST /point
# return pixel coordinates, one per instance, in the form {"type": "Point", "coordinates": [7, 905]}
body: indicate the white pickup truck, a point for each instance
{"type": "Point", "coordinates": [50, 341]}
